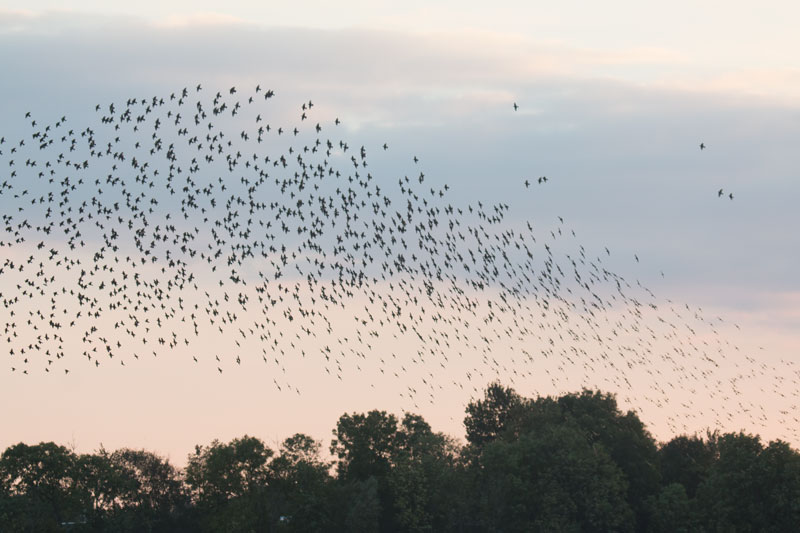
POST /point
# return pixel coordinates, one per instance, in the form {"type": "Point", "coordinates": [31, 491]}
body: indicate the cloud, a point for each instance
{"type": "Point", "coordinates": [209, 41]}
{"type": "Point", "coordinates": [367, 63]}
{"type": "Point", "coordinates": [14, 21]}
{"type": "Point", "coordinates": [620, 128]}
{"type": "Point", "coordinates": [201, 20]}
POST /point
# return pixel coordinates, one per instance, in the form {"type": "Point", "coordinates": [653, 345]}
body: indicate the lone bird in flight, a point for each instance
{"type": "Point", "coordinates": [515, 106]}
{"type": "Point", "coordinates": [702, 146]}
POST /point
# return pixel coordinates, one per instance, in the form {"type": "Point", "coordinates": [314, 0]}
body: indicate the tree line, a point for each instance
{"type": "Point", "coordinates": [569, 463]}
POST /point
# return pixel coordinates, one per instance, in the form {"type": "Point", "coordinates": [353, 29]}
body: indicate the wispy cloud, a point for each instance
{"type": "Point", "coordinates": [622, 126]}
{"type": "Point", "coordinates": [201, 20]}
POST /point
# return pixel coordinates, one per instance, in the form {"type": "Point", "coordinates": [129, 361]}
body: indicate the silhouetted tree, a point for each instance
{"type": "Point", "coordinates": [569, 463]}
{"type": "Point", "coordinates": [154, 497]}
{"type": "Point", "coordinates": [363, 506]}
{"type": "Point", "coordinates": [686, 460]}
{"type": "Point", "coordinates": [671, 511]}
{"type": "Point", "coordinates": [412, 467]}
{"type": "Point", "coordinates": [103, 488]}
{"type": "Point", "coordinates": [486, 419]}
{"type": "Point", "coordinates": [622, 435]}
{"type": "Point", "coordinates": [553, 479]}
{"type": "Point", "coordinates": [228, 482]}
{"type": "Point", "coordinates": [301, 486]}
{"type": "Point", "coordinates": [751, 488]}
{"type": "Point", "coordinates": [425, 480]}
{"type": "Point", "coordinates": [40, 488]}
{"type": "Point", "coordinates": [365, 446]}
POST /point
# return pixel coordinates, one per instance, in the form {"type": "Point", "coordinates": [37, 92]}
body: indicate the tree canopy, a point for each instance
{"type": "Point", "coordinates": [570, 463]}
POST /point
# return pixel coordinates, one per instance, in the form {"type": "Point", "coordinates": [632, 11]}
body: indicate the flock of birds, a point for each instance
{"type": "Point", "coordinates": [193, 223]}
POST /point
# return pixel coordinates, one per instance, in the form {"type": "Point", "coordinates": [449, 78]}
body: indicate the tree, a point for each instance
{"type": "Point", "coordinates": [550, 480]}
{"type": "Point", "coordinates": [229, 484]}
{"type": "Point", "coordinates": [687, 461]}
{"type": "Point", "coordinates": [486, 419]}
{"type": "Point", "coordinates": [364, 445]}
{"type": "Point", "coordinates": [103, 487]}
{"type": "Point", "coordinates": [39, 483]}
{"type": "Point", "coordinates": [750, 487]}
{"type": "Point", "coordinates": [425, 480]}
{"type": "Point", "coordinates": [569, 463]}
{"type": "Point", "coordinates": [301, 485]}
{"type": "Point", "coordinates": [48, 485]}
{"type": "Point", "coordinates": [363, 509]}
{"type": "Point", "coordinates": [670, 511]}
{"type": "Point", "coordinates": [622, 435]}
{"type": "Point", "coordinates": [779, 486]}
{"type": "Point", "coordinates": [156, 498]}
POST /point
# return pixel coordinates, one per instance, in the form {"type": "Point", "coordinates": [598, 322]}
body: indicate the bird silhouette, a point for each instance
{"type": "Point", "coordinates": [182, 221]}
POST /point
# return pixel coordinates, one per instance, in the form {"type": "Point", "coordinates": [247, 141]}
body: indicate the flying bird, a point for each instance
{"type": "Point", "coordinates": [166, 223]}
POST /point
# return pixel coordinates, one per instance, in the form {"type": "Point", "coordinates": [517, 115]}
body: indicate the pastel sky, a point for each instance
{"type": "Point", "coordinates": [614, 97]}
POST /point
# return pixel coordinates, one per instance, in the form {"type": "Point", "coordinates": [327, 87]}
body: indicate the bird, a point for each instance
{"type": "Point", "coordinates": [145, 229]}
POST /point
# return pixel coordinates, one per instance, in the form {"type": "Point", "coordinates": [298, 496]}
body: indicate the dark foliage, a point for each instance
{"type": "Point", "coordinates": [573, 463]}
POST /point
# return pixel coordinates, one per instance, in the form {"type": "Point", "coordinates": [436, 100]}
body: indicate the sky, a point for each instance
{"type": "Point", "coordinates": [614, 101]}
